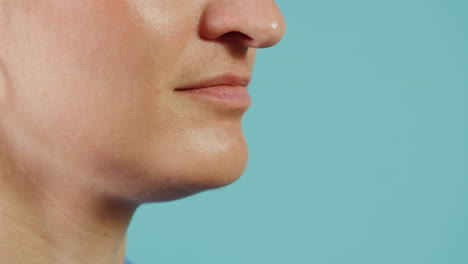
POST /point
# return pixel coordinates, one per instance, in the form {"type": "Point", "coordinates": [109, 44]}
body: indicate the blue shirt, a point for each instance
{"type": "Point", "coordinates": [128, 261]}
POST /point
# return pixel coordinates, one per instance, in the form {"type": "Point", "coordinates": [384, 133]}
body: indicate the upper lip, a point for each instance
{"type": "Point", "coordinates": [227, 79]}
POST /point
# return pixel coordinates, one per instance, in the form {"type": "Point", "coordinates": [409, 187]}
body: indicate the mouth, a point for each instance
{"type": "Point", "coordinates": [226, 91]}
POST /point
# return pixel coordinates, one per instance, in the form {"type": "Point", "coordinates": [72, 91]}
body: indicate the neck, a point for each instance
{"type": "Point", "coordinates": [59, 222]}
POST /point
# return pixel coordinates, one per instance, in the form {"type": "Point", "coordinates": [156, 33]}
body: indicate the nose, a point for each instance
{"type": "Point", "coordinates": [255, 23]}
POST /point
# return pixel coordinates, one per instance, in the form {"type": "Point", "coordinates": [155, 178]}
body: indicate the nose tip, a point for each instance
{"type": "Point", "coordinates": [267, 34]}
{"type": "Point", "coordinates": [260, 23]}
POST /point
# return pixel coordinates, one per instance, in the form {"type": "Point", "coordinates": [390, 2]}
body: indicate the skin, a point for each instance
{"type": "Point", "coordinates": [91, 126]}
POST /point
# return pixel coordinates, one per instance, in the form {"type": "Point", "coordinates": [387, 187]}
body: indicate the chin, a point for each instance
{"type": "Point", "coordinates": [204, 177]}
{"type": "Point", "coordinates": [189, 179]}
{"type": "Point", "coordinates": [184, 173]}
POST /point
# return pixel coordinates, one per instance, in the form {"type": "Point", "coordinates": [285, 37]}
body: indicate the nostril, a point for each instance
{"type": "Point", "coordinates": [236, 37]}
{"type": "Point", "coordinates": [236, 43]}
{"type": "Point", "coordinates": [239, 35]}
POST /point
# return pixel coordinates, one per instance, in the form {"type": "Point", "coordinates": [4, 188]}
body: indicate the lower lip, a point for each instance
{"type": "Point", "coordinates": [227, 96]}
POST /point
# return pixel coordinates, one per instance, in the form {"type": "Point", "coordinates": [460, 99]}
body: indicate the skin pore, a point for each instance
{"type": "Point", "coordinates": [91, 124]}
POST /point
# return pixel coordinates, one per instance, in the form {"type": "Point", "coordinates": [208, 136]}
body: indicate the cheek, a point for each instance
{"type": "Point", "coordinates": [86, 77]}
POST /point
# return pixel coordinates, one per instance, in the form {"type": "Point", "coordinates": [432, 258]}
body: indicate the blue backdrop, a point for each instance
{"type": "Point", "coordinates": [358, 138]}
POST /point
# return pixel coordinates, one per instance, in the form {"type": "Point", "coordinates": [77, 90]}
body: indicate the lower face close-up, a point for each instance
{"type": "Point", "coordinates": [141, 100]}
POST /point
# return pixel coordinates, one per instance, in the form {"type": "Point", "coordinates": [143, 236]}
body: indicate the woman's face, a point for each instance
{"type": "Point", "coordinates": [92, 86]}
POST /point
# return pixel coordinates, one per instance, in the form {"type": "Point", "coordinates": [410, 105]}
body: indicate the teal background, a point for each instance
{"type": "Point", "coordinates": [358, 141]}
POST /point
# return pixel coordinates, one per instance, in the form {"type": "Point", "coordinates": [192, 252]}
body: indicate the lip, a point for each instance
{"type": "Point", "coordinates": [226, 90]}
